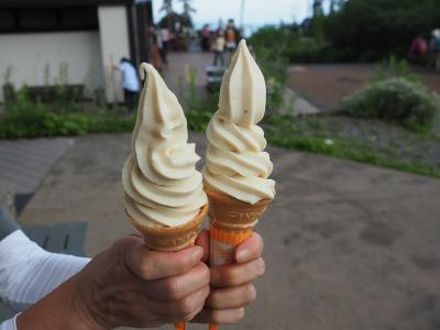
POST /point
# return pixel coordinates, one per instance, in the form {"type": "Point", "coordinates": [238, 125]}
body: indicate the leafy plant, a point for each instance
{"type": "Point", "coordinates": [394, 68]}
{"type": "Point", "coordinates": [7, 75]}
{"type": "Point", "coordinates": [395, 99]}
{"type": "Point", "coordinates": [8, 87]}
{"type": "Point", "coordinates": [46, 74]}
{"type": "Point", "coordinates": [26, 118]}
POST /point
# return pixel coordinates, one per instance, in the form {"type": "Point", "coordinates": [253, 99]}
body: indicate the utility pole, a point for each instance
{"type": "Point", "coordinates": [242, 15]}
{"type": "Point", "coordinates": [309, 8]}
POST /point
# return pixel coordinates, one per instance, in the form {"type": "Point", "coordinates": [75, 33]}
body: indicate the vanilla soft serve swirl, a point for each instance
{"type": "Point", "coordinates": [162, 186]}
{"type": "Point", "coordinates": [236, 163]}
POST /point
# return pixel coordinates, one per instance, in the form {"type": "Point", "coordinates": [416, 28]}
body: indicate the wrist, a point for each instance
{"type": "Point", "coordinates": [61, 309]}
{"type": "Point", "coordinates": [86, 310]}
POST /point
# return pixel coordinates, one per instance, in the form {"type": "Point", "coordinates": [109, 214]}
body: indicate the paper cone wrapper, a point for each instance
{"type": "Point", "coordinates": [231, 222]}
{"type": "Point", "coordinates": [171, 239]}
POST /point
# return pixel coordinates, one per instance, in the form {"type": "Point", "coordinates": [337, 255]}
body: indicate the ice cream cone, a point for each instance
{"type": "Point", "coordinates": [231, 222]}
{"type": "Point", "coordinates": [171, 238]}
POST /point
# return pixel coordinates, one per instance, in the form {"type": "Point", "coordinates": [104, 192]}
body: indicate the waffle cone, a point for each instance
{"type": "Point", "coordinates": [231, 222]}
{"type": "Point", "coordinates": [171, 238]}
{"type": "Point", "coordinates": [230, 214]}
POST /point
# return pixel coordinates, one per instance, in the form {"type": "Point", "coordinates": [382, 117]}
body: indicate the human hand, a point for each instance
{"type": "Point", "coordinates": [232, 286]}
{"type": "Point", "coordinates": [129, 285]}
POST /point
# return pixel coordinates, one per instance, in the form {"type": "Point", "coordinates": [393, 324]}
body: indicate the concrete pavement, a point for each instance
{"type": "Point", "coordinates": [24, 163]}
{"type": "Point", "coordinates": [347, 246]}
{"type": "Point", "coordinates": [177, 75]}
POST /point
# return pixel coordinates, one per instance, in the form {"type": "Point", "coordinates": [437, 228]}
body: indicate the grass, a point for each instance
{"type": "Point", "coordinates": [366, 141]}
{"type": "Point", "coordinates": [362, 153]}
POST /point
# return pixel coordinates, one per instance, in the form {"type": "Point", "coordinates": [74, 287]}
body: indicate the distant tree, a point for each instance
{"type": "Point", "coordinates": [170, 20]}
{"type": "Point", "coordinates": [167, 7]}
{"type": "Point", "coordinates": [373, 29]}
{"type": "Point", "coordinates": [336, 5]}
{"type": "Point", "coordinates": [317, 8]}
{"type": "Point", "coordinates": [188, 10]}
{"type": "Point", "coordinates": [166, 21]}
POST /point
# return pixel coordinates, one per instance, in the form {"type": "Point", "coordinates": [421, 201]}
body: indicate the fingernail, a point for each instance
{"type": "Point", "coordinates": [244, 255]}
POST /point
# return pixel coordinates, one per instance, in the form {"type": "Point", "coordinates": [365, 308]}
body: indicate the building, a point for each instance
{"type": "Point", "coordinates": [85, 37]}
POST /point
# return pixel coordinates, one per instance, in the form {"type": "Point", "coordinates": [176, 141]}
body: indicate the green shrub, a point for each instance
{"type": "Point", "coordinates": [394, 67]}
{"type": "Point", "coordinates": [397, 99]}
{"type": "Point", "coordinates": [25, 118]}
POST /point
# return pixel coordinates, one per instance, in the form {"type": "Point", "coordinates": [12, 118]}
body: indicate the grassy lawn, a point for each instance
{"type": "Point", "coordinates": [363, 140]}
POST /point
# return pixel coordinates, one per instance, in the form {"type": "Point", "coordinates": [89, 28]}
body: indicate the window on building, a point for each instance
{"type": "Point", "coordinates": [13, 20]}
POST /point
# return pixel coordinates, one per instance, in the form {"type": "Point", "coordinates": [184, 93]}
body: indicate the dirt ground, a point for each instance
{"type": "Point", "coordinates": [325, 85]}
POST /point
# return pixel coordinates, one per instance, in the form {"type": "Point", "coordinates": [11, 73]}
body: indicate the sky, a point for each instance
{"type": "Point", "coordinates": [256, 12]}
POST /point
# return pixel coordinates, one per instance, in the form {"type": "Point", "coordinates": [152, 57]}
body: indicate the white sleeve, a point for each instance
{"type": "Point", "coordinates": [10, 324]}
{"type": "Point", "coordinates": [28, 273]}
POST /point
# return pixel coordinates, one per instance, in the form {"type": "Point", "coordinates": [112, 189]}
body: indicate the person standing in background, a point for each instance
{"type": "Point", "coordinates": [434, 50]}
{"type": "Point", "coordinates": [206, 37]}
{"type": "Point", "coordinates": [130, 83]}
{"type": "Point", "coordinates": [164, 38]}
{"type": "Point", "coordinates": [231, 36]}
{"type": "Point", "coordinates": [219, 48]}
{"type": "Point", "coordinates": [155, 49]}
{"type": "Point", "coordinates": [418, 49]}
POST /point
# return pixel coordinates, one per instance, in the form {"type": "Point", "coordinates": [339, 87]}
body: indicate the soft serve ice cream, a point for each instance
{"type": "Point", "coordinates": [236, 164]}
{"type": "Point", "coordinates": [162, 186]}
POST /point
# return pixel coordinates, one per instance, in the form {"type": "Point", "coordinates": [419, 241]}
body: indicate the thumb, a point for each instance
{"type": "Point", "coordinates": [152, 265]}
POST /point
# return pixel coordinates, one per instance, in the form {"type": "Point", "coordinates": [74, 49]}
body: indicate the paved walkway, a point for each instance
{"type": "Point", "coordinates": [177, 71]}
{"type": "Point", "coordinates": [325, 85]}
{"type": "Point", "coordinates": [177, 75]}
{"type": "Point", "coordinates": [348, 246]}
{"type": "Point", "coordinates": [24, 163]}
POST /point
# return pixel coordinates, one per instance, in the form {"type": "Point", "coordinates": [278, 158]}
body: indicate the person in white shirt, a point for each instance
{"type": "Point", "coordinates": [130, 83]}
{"type": "Point", "coordinates": [219, 48]}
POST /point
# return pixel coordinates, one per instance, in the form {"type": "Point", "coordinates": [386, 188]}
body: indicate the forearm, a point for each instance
{"type": "Point", "coordinates": [62, 309]}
